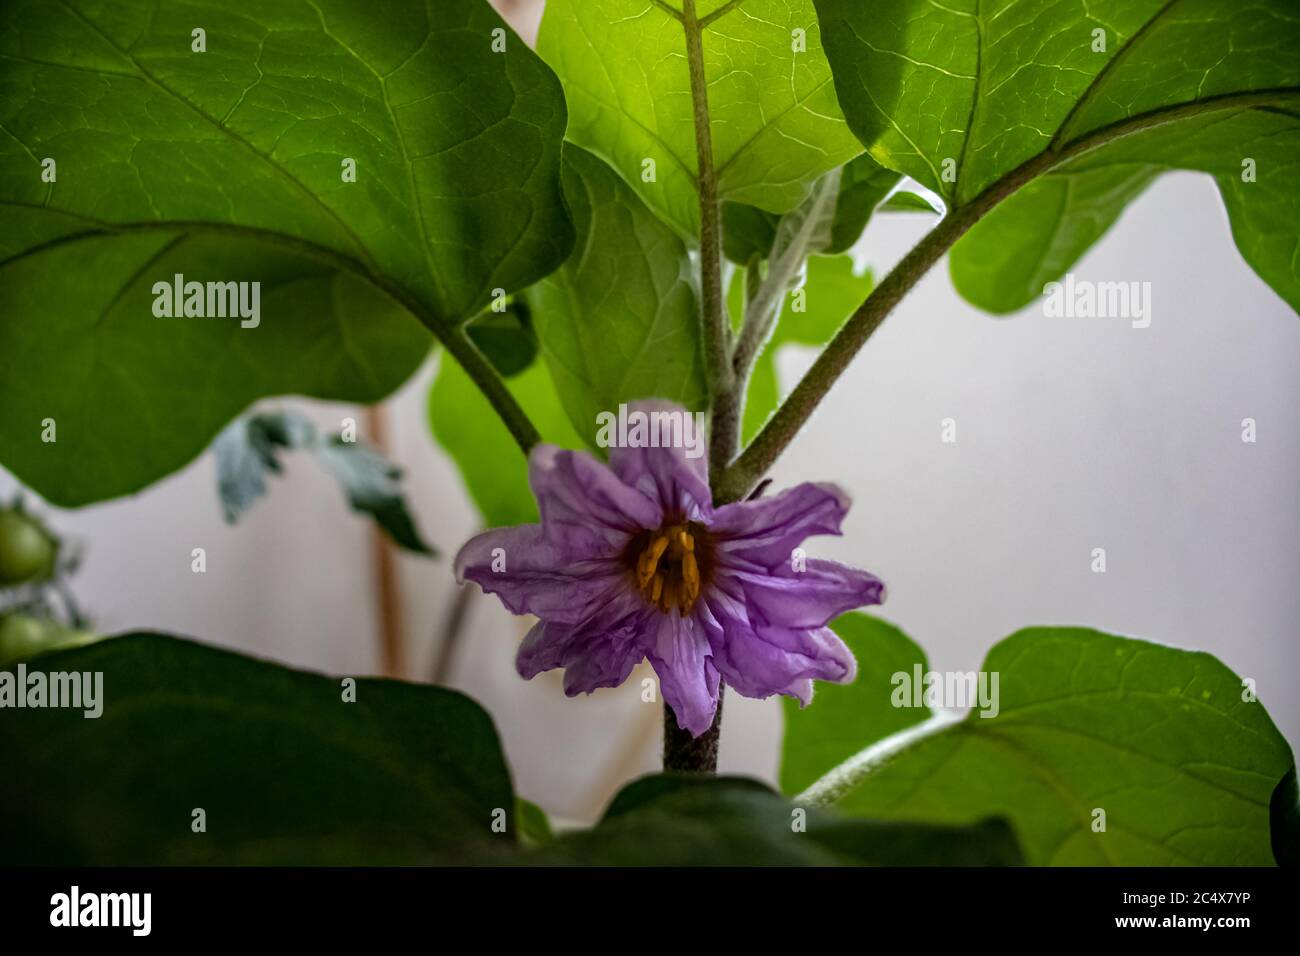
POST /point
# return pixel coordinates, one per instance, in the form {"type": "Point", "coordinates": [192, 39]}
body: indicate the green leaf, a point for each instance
{"type": "Point", "coordinates": [732, 821]}
{"type": "Point", "coordinates": [776, 127]}
{"type": "Point", "coordinates": [248, 450]}
{"type": "Point", "coordinates": [506, 338]}
{"type": "Point", "coordinates": [494, 471]}
{"type": "Point", "coordinates": [1035, 236]}
{"type": "Point", "coordinates": [863, 185]}
{"type": "Point", "coordinates": [832, 290]}
{"type": "Point", "coordinates": [1284, 813]}
{"type": "Point", "coordinates": [371, 483]}
{"type": "Point", "coordinates": [905, 201]}
{"type": "Point", "coordinates": [285, 770]}
{"type": "Point", "coordinates": [845, 718]}
{"type": "Point", "coordinates": [748, 232]}
{"type": "Point", "coordinates": [972, 96]}
{"type": "Point", "coordinates": [534, 827]}
{"type": "Point", "coordinates": [619, 321]}
{"type": "Point", "coordinates": [228, 165]}
{"type": "Point", "coordinates": [1158, 738]}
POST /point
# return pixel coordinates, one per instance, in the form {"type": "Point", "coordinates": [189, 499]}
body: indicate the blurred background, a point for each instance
{"type": "Point", "coordinates": [1072, 434]}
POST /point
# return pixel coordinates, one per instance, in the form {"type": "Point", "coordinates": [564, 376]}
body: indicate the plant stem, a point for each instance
{"type": "Point", "coordinates": [737, 481]}
{"type": "Point", "coordinates": [724, 435]}
{"type": "Point", "coordinates": [685, 753]}
{"type": "Point", "coordinates": [490, 383]}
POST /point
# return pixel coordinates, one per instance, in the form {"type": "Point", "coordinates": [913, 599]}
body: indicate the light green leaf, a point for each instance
{"type": "Point", "coordinates": [230, 165]}
{"type": "Point", "coordinates": [619, 321]}
{"type": "Point", "coordinates": [832, 290]}
{"type": "Point", "coordinates": [975, 98]}
{"type": "Point", "coordinates": [845, 718]}
{"type": "Point", "coordinates": [775, 124]}
{"type": "Point", "coordinates": [490, 463]}
{"type": "Point", "coordinates": [1159, 739]}
{"type": "Point", "coordinates": [284, 769]}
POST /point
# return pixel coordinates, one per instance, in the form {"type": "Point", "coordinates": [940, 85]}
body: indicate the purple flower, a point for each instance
{"type": "Point", "coordinates": [631, 560]}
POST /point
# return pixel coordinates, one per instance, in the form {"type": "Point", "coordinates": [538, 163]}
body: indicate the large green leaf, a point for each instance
{"type": "Point", "coordinates": [731, 821]}
{"type": "Point", "coordinates": [619, 320]}
{"type": "Point", "coordinates": [288, 771]}
{"type": "Point", "coordinates": [228, 165]}
{"type": "Point", "coordinates": [983, 95]}
{"type": "Point", "coordinates": [285, 770]}
{"type": "Point", "coordinates": [489, 460]}
{"type": "Point", "coordinates": [775, 124]}
{"type": "Point", "coordinates": [1159, 739]}
{"type": "Point", "coordinates": [845, 718]}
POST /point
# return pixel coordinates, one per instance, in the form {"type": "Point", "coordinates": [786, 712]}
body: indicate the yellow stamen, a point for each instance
{"type": "Point", "coordinates": [657, 589]}
{"type": "Point", "coordinates": [691, 575]}
{"type": "Point", "coordinates": [649, 561]}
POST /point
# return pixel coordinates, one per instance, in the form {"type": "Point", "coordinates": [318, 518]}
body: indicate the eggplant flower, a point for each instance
{"type": "Point", "coordinates": [633, 561]}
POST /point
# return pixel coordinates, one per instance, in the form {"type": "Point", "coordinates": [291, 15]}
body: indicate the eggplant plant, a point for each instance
{"type": "Point", "coordinates": [606, 240]}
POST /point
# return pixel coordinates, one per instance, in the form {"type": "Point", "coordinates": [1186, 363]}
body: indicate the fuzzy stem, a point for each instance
{"type": "Point", "coordinates": [682, 752]}
{"type": "Point", "coordinates": [724, 437]}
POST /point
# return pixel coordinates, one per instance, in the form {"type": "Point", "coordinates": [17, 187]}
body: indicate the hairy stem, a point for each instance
{"type": "Point", "coordinates": [685, 753]}
{"type": "Point", "coordinates": [724, 437]}
{"type": "Point", "coordinates": [753, 464]}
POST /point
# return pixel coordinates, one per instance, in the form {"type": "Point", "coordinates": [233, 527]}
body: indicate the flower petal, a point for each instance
{"type": "Point", "coordinates": [765, 531]}
{"type": "Point", "coordinates": [689, 681]}
{"type": "Point", "coordinates": [759, 662]}
{"type": "Point", "coordinates": [669, 474]}
{"type": "Point", "coordinates": [609, 642]}
{"type": "Point", "coordinates": [585, 507]}
{"type": "Point", "coordinates": [533, 575]}
{"type": "Point", "coordinates": [812, 597]}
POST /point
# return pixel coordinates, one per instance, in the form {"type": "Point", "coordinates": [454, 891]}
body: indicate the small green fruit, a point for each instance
{"type": "Point", "coordinates": [26, 550]}
{"type": "Point", "coordinates": [22, 637]}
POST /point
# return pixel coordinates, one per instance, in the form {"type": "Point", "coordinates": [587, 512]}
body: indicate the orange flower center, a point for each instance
{"type": "Point", "coordinates": [670, 565]}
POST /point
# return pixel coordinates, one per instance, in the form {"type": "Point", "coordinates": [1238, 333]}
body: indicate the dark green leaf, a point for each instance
{"type": "Point", "coordinates": [228, 165]}
{"type": "Point", "coordinates": [506, 338]}
{"type": "Point", "coordinates": [285, 770]}
{"type": "Point", "coordinates": [1284, 814]}
{"type": "Point", "coordinates": [733, 821]}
